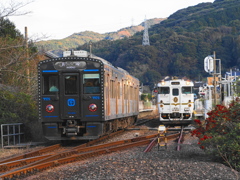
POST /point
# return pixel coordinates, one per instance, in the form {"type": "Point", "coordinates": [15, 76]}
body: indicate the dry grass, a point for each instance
{"type": "Point", "coordinates": [4, 153]}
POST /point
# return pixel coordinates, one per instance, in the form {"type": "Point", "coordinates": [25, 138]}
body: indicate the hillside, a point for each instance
{"type": "Point", "coordinates": [179, 44]}
{"type": "Point", "coordinates": [81, 38]}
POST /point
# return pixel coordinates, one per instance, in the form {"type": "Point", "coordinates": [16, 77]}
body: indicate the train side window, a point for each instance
{"type": "Point", "coordinates": [91, 83]}
{"type": "Point", "coordinates": [50, 84]}
{"type": "Point", "coordinates": [175, 92]}
{"type": "Point", "coordinates": [71, 84]}
{"type": "Point", "coordinates": [163, 90]}
{"type": "Point", "coordinates": [186, 90]}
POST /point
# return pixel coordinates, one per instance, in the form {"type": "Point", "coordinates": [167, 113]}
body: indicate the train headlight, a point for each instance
{"type": "Point", "coordinates": [189, 105]}
{"type": "Point", "coordinates": [49, 108]}
{"type": "Point", "coordinates": [161, 104]}
{"type": "Point", "coordinates": [92, 107]}
{"type": "Point", "coordinates": [163, 83]}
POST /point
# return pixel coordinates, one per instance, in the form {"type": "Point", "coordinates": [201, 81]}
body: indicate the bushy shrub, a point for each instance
{"type": "Point", "coordinates": [18, 107]}
{"type": "Point", "coordinates": [219, 134]}
{"type": "Point", "coordinates": [146, 97]}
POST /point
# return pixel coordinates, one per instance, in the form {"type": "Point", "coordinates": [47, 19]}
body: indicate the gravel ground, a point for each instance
{"type": "Point", "coordinates": [166, 164]}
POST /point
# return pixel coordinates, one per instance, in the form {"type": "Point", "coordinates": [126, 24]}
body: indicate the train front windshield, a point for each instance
{"type": "Point", "coordinates": [91, 83]}
{"type": "Point", "coordinates": [71, 84]}
{"type": "Point", "coordinates": [187, 90]}
{"type": "Point", "coordinates": [175, 91]}
{"type": "Point", "coordinates": [51, 85]}
{"type": "Point", "coordinates": [163, 90]}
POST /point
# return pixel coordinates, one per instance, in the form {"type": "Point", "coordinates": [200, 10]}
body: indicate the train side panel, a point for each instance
{"type": "Point", "coordinates": [121, 91]}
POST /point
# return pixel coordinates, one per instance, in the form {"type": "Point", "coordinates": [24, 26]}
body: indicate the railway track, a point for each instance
{"type": "Point", "coordinates": [42, 159]}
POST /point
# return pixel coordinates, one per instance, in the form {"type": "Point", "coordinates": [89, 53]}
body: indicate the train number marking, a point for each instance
{"type": "Point", "coordinates": [95, 97]}
{"type": "Point", "coordinates": [46, 99]}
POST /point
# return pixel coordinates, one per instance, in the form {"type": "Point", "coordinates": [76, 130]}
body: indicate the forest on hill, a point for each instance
{"type": "Point", "coordinates": [76, 39]}
{"type": "Point", "coordinates": [179, 44]}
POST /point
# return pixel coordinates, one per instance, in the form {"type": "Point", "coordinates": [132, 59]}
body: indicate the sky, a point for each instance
{"type": "Point", "coordinates": [57, 19]}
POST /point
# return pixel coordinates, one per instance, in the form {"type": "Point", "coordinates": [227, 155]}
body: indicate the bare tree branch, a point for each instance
{"type": "Point", "coordinates": [13, 9]}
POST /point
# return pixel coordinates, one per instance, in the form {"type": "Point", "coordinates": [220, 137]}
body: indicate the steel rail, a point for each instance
{"type": "Point", "coordinates": [90, 143]}
{"type": "Point", "coordinates": [67, 153]}
{"type": "Point", "coordinates": [32, 154]}
{"type": "Point", "coordinates": [21, 160]}
{"type": "Point", "coordinates": [9, 165]}
{"type": "Point", "coordinates": [80, 154]}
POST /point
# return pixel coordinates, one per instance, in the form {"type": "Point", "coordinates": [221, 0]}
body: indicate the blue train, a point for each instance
{"type": "Point", "coordinates": [83, 97]}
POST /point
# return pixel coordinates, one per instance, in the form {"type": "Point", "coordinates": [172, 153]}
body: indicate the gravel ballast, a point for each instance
{"type": "Point", "coordinates": [133, 164]}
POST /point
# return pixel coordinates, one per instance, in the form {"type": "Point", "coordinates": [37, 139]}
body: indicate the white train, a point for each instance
{"type": "Point", "coordinates": [175, 102]}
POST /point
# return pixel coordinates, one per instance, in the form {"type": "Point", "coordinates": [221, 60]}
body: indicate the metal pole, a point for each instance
{"type": "Point", "coordinates": [90, 46]}
{"type": "Point", "coordinates": [8, 135]}
{"type": "Point", "coordinates": [19, 132]}
{"type": "Point", "coordinates": [14, 135]}
{"type": "Point", "coordinates": [214, 79]}
{"type": "Point", "coordinates": [27, 58]}
{"type": "Point", "coordinates": [2, 135]}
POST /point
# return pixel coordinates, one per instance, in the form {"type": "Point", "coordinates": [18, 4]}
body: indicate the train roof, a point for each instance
{"type": "Point", "coordinates": [83, 54]}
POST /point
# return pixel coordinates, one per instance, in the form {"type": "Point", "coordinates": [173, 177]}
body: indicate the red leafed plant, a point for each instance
{"type": "Point", "coordinates": [219, 134]}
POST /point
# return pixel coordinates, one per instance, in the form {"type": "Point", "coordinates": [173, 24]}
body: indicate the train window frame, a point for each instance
{"type": "Point", "coordinates": [118, 90]}
{"type": "Point", "coordinates": [175, 92]}
{"type": "Point", "coordinates": [50, 84]}
{"type": "Point", "coordinates": [187, 90]}
{"type": "Point", "coordinates": [91, 83]}
{"type": "Point", "coordinates": [163, 90]}
{"type": "Point", "coordinates": [71, 88]}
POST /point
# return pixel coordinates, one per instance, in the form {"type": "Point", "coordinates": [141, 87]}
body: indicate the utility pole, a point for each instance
{"type": "Point", "coordinates": [90, 47]}
{"type": "Point", "coordinates": [216, 75]}
{"type": "Point", "coordinates": [27, 58]}
{"type": "Point", "coordinates": [214, 78]}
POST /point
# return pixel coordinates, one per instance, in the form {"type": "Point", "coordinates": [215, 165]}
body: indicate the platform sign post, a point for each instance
{"type": "Point", "coordinates": [213, 67]}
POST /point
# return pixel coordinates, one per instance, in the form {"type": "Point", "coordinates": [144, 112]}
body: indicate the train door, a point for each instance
{"type": "Point", "coordinates": [176, 98]}
{"type": "Point", "coordinates": [70, 96]}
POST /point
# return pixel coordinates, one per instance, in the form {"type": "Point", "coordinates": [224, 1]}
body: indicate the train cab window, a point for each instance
{"type": "Point", "coordinates": [50, 84]}
{"type": "Point", "coordinates": [175, 92]}
{"type": "Point", "coordinates": [91, 83]}
{"type": "Point", "coordinates": [163, 90]}
{"type": "Point", "coordinates": [71, 84]}
{"type": "Point", "coordinates": [186, 90]}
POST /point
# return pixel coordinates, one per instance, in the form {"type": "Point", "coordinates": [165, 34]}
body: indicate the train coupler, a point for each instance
{"type": "Point", "coordinates": [72, 129]}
